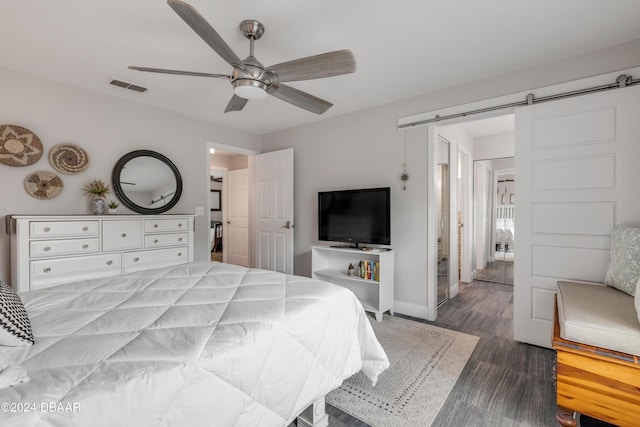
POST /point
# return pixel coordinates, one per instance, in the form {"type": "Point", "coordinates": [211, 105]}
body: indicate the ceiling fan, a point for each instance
{"type": "Point", "coordinates": [252, 80]}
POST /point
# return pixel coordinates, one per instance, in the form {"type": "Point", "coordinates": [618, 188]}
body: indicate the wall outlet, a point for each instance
{"type": "Point", "coordinates": [199, 210]}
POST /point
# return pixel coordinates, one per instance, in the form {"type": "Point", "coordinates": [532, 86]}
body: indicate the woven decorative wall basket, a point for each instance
{"type": "Point", "coordinates": [68, 159]}
{"type": "Point", "coordinates": [43, 185]}
{"type": "Point", "coordinates": [19, 146]}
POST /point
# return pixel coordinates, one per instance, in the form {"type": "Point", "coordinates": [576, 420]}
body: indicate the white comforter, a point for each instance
{"type": "Point", "coordinates": [202, 344]}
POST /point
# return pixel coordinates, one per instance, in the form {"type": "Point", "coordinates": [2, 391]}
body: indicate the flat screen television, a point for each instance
{"type": "Point", "coordinates": [355, 216]}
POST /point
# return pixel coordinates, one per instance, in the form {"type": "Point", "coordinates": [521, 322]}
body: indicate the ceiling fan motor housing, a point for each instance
{"type": "Point", "coordinates": [250, 80]}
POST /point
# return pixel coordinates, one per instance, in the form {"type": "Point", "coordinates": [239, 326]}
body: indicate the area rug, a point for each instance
{"type": "Point", "coordinates": [425, 361]}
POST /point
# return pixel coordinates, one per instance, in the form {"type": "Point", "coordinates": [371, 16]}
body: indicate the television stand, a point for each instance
{"type": "Point", "coordinates": [332, 263]}
{"type": "Point", "coordinates": [351, 246]}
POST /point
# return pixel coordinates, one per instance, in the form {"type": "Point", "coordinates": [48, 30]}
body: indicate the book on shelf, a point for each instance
{"type": "Point", "coordinates": [369, 270]}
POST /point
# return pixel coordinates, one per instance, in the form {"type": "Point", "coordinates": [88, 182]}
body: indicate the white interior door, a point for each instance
{"type": "Point", "coordinates": [274, 210]}
{"type": "Point", "coordinates": [577, 166]}
{"type": "Point", "coordinates": [236, 234]}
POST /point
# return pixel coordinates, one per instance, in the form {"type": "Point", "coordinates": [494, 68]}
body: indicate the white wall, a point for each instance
{"type": "Point", "coordinates": [107, 128]}
{"type": "Point", "coordinates": [358, 151]}
{"type": "Point", "coordinates": [363, 149]}
{"type": "Point", "coordinates": [494, 146]}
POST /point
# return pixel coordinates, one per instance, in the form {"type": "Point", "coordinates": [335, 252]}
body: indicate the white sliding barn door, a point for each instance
{"type": "Point", "coordinates": [274, 210]}
{"type": "Point", "coordinates": [577, 162]}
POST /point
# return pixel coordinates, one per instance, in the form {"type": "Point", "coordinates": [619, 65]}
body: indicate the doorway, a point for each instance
{"type": "Point", "coordinates": [229, 206]}
{"type": "Point", "coordinates": [495, 239]}
{"type": "Point", "coordinates": [256, 206]}
{"type": "Point", "coordinates": [462, 223]}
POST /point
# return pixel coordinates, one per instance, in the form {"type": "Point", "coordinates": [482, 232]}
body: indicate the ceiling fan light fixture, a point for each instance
{"type": "Point", "coordinates": [250, 89]}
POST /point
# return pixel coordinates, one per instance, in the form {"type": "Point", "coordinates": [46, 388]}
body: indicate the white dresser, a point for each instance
{"type": "Point", "coordinates": [50, 250]}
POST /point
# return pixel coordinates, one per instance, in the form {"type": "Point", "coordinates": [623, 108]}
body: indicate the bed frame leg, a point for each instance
{"type": "Point", "coordinates": [566, 417]}
{"type": "Point", "coordinates": [314, 415]}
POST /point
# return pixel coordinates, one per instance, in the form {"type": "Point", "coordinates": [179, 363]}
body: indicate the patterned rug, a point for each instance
{"type": "Point", "coordinates": [425, 361]}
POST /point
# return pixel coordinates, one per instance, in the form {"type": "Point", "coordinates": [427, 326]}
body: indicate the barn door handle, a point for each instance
{"type": "Point", "coordinates": [288, 225]}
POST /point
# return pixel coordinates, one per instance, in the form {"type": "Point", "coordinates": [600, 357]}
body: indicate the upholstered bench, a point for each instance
{"type": "Point", "coordinates": [597, 341]}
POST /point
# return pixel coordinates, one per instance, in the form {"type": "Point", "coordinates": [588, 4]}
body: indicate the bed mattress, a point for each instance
{"type": "Point", "coordinates": [196, 344]}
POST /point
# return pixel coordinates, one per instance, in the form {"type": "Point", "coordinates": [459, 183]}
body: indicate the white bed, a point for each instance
{"type": "Point", "coordinates": [191, 345]}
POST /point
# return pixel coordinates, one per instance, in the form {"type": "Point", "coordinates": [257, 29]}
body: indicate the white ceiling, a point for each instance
{"type": "Point", "coordinates": [403, 49]}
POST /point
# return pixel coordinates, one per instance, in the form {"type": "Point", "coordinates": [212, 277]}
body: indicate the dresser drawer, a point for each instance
{"type": "Point", "coordinates": [161, 240]}
{"type": "Point", "coordinates": [121, 235]}
{"type": "Point", "coordinates": [164, 225]}
{"type": "Point", "coordinates": [51, 272]}
{"type": "Point", "coordinates": [49, 248]}
{"type": "Point", "coordinates": [144, 260]}
{"type": "Point", "coordinates": [39, 229]}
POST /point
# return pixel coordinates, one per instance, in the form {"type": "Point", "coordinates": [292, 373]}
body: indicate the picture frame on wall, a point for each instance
{"type": "Point", "coordinates": [215, 200]}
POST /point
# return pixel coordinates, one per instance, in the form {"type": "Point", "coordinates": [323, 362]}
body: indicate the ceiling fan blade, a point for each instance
{"type": "Point", "coordinates": [316, 67]}
{"type": "Point", "coordinates": [182, 73]}
{"type": "Point", "coordinates": [236, 104]}
{"type": "Point", "coordinates": [200, 25]}
{"type": "Point", "coordinates": [299, 98]}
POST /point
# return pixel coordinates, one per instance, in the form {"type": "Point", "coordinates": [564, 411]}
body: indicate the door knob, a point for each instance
{"type": "Point", "coordinates": [288, 225]}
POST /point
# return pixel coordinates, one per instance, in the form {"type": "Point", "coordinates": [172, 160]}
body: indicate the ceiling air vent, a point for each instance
{"type": "Point", "coordinates": [127, 85]}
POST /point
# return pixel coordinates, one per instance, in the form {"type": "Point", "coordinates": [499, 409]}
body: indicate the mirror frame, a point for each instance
{"type": "Point", "coordinates": [119, 191]}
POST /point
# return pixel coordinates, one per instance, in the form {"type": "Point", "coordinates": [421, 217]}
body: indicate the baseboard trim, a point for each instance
{"type": "Point", "coordinates": [413, 310]}
{"type": "Point", "coordinates": [453, 291]}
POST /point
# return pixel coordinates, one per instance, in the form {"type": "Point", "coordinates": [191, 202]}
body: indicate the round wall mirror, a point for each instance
{"type": "Point", "coordinates": [146, 182]}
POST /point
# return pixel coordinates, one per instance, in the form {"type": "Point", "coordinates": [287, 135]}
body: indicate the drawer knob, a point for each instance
{"type": "Point", "coordinates": [136, 259]}
{"type": "Point", "coordinates": [123, 235]}
{"type": "Point", "coordinates": [155, 225]}
{"type": "Point", "coordinates": [46, 269]}
{"type": "Point", "coordinates": [47, 229]}
{"type": "Point", "coordinates": [85, 228]}
{"type": "Point", "coordinates": [46, 249]}
{"type": "Point", "coordinates": [85, 246]}
{"type": "Point", "coordinates": [179, 239]}
{"type": "Point", "coordinates": [179, 253]}
{"type": "Point", "coordinates": [155, 241]}
{"type": "Point", "coordinates": [109, 262]}
{"type": "Point", "coordinates": [179, 224]}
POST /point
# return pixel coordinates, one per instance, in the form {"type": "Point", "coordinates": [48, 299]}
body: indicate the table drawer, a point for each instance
{"type": "Point", "coordinates": [163, 225]}
{"type": "Point", "coordinates": [38, 229]}
{"type": "Point", "coordinates": [51, 272]}
{"type": "Point", "coordinates": [161, 240]}
{"type": "Point", "coordinates": [121, 235]}
{"type": "Point", "coordinates": [144, 260]}
{"type": "Point", "coordinates": [49, 248]}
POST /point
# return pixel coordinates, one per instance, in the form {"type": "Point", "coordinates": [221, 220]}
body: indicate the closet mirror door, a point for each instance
{"type": "Point", "coordinates": [495, 220]}
{"type": "Point", "coordinates": [442, 211]}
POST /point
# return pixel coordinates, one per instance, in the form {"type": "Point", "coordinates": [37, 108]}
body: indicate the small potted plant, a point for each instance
{"type": "Point", "coordinates": [97, 190]}
{"type": "Point", "coordinates": [113, 207]}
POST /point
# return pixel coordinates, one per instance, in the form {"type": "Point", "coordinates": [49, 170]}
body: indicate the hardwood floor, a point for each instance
{"type": "Point", "coordinates": [505, 383]}
{"type": "Point", "coordinates": [497, 271]}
